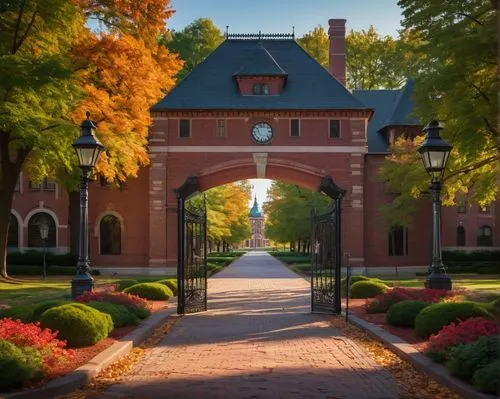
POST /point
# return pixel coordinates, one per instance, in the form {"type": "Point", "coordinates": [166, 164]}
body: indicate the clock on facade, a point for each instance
{"type": "Point", "coordinates": [262, 133]}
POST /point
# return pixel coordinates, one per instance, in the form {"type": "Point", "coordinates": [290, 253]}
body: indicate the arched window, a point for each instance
{"type": "Point", "coordinates": [460, 236]}
{"type": "Point", "coordinates": [110, 236]}
{"type": "Point", "coordinates": [13, 236]}
{"type": "Point", "coordinates": [265, 89]}
{"type": "Point", "coordinates": [34, 238]}
{"type": "Point", "coordinates": [398, 241]}
{"type": "Point", "coordinates": [256, 89]}
{"type": "Point", "coordinates": [484, 237]}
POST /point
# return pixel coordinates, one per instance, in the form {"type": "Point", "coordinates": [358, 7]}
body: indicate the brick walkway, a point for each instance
{"type": "Point", "coordinates": [258, 340]}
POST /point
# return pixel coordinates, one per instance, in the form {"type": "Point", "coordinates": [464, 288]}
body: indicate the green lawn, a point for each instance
{"type": "Point", "coordinates": [32, 289]}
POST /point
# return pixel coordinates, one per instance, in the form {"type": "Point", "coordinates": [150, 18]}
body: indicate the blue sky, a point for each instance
{"type": "Point", "coordinates": [278, 16]}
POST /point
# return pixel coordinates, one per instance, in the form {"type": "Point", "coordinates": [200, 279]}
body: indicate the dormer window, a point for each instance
{"type": "Point", "coordinates": [261, 75]}
{"type": "Point", "coordinates": [260, 89]}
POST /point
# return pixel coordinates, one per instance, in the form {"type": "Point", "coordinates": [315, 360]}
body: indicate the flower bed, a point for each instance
{"type": "Point", "coordinates": [56, 359]}
{"type": "Point", "coordinates": [465, 331]}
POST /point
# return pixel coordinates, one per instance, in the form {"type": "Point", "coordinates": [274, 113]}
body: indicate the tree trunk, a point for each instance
{"type": "Point", "coordinates": [218, 246]}
{"type": "Point", "coordinates": [10, 168]}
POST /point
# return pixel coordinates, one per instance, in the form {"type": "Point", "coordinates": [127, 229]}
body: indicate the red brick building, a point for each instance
{"type": "Point", "coordinates": [258, 107]}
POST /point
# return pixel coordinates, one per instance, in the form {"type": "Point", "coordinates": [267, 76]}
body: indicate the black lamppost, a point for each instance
{"type": "Point", "coordinates": [88, 148]}
{"type": "Point", "coordinates": [44, 234]}
{"type": "Point", "coordinates": [435, 152]}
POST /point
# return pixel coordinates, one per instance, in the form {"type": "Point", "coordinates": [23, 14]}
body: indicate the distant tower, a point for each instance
{"type": "Point", "coordinates": [257, 221]}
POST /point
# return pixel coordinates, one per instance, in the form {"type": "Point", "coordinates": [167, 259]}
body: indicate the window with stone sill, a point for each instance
{"type": "Point", "coordinates": [110, 235]}
{"type": "Point", "coordinates": [485, 236]}
{"type": "Point", "coordinates": [462, 207]}
{"type": "Point", "coordinates": [221, 128]}
{"type": "Point", "coordinates": [398, 241]}
{"type": "Point", "coordinates": [334, 132]}
{"type": "Point", "coordinates": [485, 210]}
{"type": "Point", "coordinates": [294, 128]}
{"type": "Point", "coordinates": [45, 185]}
{"type": "Point", "coordinates": [184, 128]}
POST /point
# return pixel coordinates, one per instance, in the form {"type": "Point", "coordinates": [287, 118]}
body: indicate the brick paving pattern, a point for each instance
{"type": "Point", "coordinates": [258, 340]}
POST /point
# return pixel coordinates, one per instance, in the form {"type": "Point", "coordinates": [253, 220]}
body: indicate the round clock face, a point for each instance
{"type": "Point", "coordinates": [262, 133]}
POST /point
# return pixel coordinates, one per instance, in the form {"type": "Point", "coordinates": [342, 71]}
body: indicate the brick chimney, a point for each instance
{"type": "Point", "coordinates": [336, 33]}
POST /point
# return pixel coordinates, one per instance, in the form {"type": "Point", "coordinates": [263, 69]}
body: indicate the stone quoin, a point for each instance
{"type": "Point", "coordinates": [259, 107]}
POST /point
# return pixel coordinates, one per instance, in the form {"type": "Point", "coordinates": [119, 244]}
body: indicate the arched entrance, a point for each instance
{"type": "Point", "coordinates": [192, 249]}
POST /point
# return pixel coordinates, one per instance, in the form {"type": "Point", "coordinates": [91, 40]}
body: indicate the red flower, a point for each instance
{"type": "Point", "coordinates": [384, 301]}
{"type": "Point", "coordinates": [120, 298]}
{"type": "Point", "coordinates": [51, 349]}
{"type": "Point", "coordinates": [464, 332]}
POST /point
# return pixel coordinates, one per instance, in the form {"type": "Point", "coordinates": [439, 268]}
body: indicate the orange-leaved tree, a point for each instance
{"type": "Point", "coordinates": [56, 63]}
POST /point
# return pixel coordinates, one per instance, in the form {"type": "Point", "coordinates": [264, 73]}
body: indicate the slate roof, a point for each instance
{"type": "Point", "coordinates": [261, 64]}
{"type": "Point", "coordinates": [212, 84]}
{"type": "Point", "coordinates": [254, 212]}
{"type": "Point", "coordinates": [392, 108]}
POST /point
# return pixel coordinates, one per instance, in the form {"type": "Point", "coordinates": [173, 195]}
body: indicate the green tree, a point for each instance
{"type": "Point", "coordinates": [37, 91]}
{"type": "Point", "coordinates": [193, 43]}
{"type": "Point", "coordinates": [315, 43]}
{"type": "Point", "coordinates": [227, 213]}
{"type": "Point", "coordinates": [458, 85]}
{"type": "Point", "coordinates": [288, 211]}
{"type": "Point", "coordinates": [372, 61]}
{"type": "Point", "coordinates": [53, 69]}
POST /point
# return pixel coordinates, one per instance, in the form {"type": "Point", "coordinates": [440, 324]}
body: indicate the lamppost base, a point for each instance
{"type": "Point", "coordinates": [81, 283]}
{"type": "Point", "coordinates": [438, 281]}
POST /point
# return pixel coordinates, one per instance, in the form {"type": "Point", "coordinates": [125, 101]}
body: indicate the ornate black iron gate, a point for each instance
{"type": "Point", "coordinates": [192, 251]}
{"type": "Point", "coordinates": [326, 253]}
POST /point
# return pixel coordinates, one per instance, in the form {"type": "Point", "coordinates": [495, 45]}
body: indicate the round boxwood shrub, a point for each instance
{"type": "Point", "coordinates": [152, 291]}
{"type": "Point", "coordinates": [367, 289]}
{"type": "Point", "coordinates": [19, 312]}
{"type": "Point", "coordinates": [403, 314]}
{"type": "Point", "coordinates": [122, 284]}
{"type": "Point", "coordinates": [170, 283]}
{"type": "Point", "coordinates": [46, 305]}
{"type": "Point", "coordinates": [487, 378]}
{"type": "Point", "coordinates": [120, 315]}
{"type": "Point", "coordinates": [18, 365]}
{"type": "Point", "coordinates": [434, 317]}
{"type": "Point", "coordinates": [78, 324]}
{"type": "Point", "coordinates": [465, 360]}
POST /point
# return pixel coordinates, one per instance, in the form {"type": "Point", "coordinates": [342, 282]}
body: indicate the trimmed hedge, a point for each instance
{"type": "Point", "coordinates": [18, 365]}
{"type": "Point", "coordinates": [78, 324]}
{"type": "Point", "coordinates": [152, 291]}
{"type": "Point", "coordinates": [295, 259]}
{"type": "Point", "coordinates": [465, 360]}
{"type": "Point", "coordinates": [431, 319]}
{"type": "Point", "coordinates": [367, 289]}
{"type": "Point", "coordinates": [36, 270]}
{"type": "Point", "coordinates": [46, 305]}
{"type": "Point", "coordinates": [122, 284]}
{"type": "Point", "coordinates": [120, 315]}
{"type": "Point", "coordinates": [403, 314]}
{"type": "Point", "coordinates": [487, 378]}
{"type": "Point", "coordinates": [36, 258]}
{"type": "Point", "coordinates": [170, 283]}
{"type": "Point", "coordinates": [473, 256]}
{"type": "Point", "coordinates": [355, 279]}
{"type": "Point", "coordinates": [21, 312]}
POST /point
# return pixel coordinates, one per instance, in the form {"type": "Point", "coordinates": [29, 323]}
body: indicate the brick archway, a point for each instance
{"type": "Point", "coordinates": [169, 170]}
